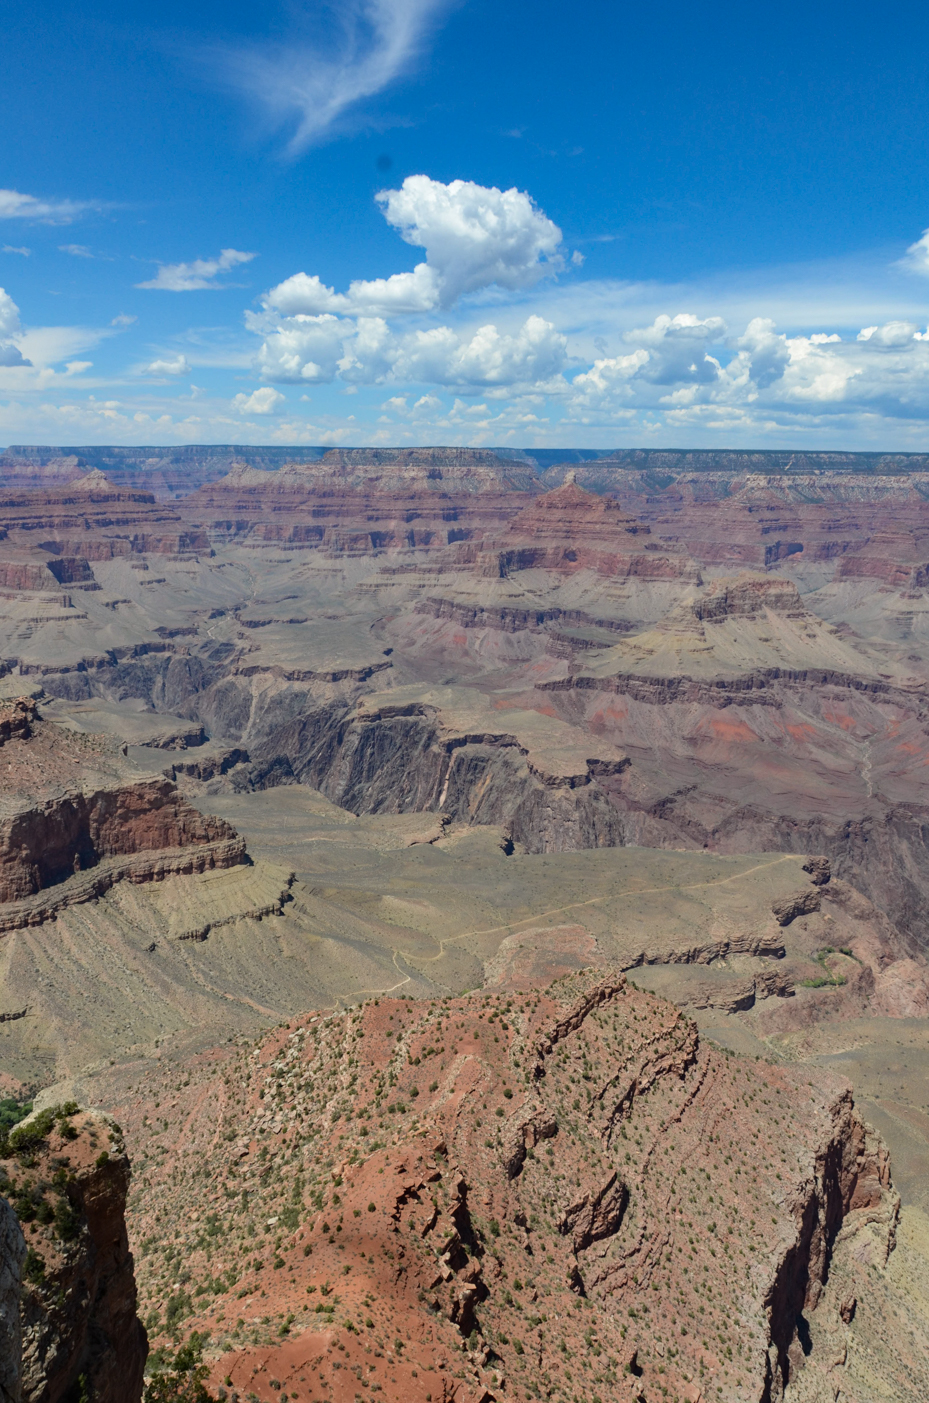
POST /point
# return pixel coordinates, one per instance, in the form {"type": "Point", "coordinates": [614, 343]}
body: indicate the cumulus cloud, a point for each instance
{"type": "Point", "coordinates": [676, 349]}
{"type": "Point", "coordinates": [535, 355]}
{"type": "Point", "coordinates": [10, 354]}
{"type": "Point", "coordinates": [263, 401]}
{"type": "Point", "coordinates": [303, 349]}
{"type": "Point", "coordinates": [312, 85]}
{"type": "Point", "coordinates": [670, 353]}
{"type": "Point", "coordinates": [198, 275]}
{"type": "Point", "coordinates": [895, 333]}
{"type": "Point", "coordinates": [317, 350]}
{"type": "Point", "coordinates": [403, 292]}
{"type": "Point", "coordinates": [14, 205]}
{"type": "Point", "coordinates": [767, 377]}
{"type": "Point", "coordinates": [475, 237]}
{"type": "Point", "coordinates": [178, 366]}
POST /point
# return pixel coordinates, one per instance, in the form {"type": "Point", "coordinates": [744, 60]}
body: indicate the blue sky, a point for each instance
{"type": "Point", "coordinates": [402, 221]}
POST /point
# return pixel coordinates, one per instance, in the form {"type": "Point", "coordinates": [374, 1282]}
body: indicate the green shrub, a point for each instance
{"type": "Point", "coordinates": [24, 1140]}
{"type": "Point", "coordinates": [184, 1380]}
{"type": "Point", "coordinates": [34, 1267]}
{"type": "Point", "coordinates": [12, 1112]}
{"type": "Point", "coordinates": [179, 1306]}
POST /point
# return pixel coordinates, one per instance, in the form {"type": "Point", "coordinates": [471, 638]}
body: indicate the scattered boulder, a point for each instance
{"type": "Point", "coordinates": [820, 870]}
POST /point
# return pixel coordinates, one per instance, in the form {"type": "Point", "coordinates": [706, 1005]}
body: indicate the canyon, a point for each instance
{"type": "Point", "coordinates": [490, 896]}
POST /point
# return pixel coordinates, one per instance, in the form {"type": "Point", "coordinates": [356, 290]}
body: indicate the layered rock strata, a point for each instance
{"type": "Point", "coordinates": [538, 778]}
{"type": "Point", "coordinates": [70, 806]}
{"type": "Point", "coordinates": [569, 530]}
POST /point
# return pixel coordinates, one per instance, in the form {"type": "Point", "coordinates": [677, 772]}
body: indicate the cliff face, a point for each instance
{"type": "Point", "coordinates": [88, 518]}
{"type": "Point", "coordinates": [56, 821]}
{"type": "Point", "coordinates": [12, 1255]}
{"type": "Point", "coordinates": [390, 755]}
{"type": "Point", "coordinates": [48, 844]}
{"type": "Point", "coordinates": [67, 1175]}
{"type": "Point", "coordinates": [558, 1189]}
{"type": "Point", "coordinates": [569, 530]}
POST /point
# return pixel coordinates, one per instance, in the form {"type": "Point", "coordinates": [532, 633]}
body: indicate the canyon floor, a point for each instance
{"type": "Point", "coordinates": [613, 802]}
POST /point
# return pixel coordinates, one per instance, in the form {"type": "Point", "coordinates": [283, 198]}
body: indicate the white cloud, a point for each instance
{"type": "Point", "coordinates": [10, 353]}
{"type": "Point", "coordinates": [676, 348]}
{"type": "Point", "coordinates": [75, 250]}
{"type": "Point", "coordinates": [263, 401]}
{"type": "Point", "coordinates": [14, 205]}
{"type": "Point", "coordinates": [770, 379]}
{"type": "Point", "coordinates": [896, 333]}
{"type": "Point", "coordinates": [198, 275]}
{"type": "Point", "coordinates": [403, 292]}
{"type": "Point", "coordinates": [916, 258]}
{"type": "Point", "coordinates": [302, 349]}
{"type": "Point", "coordinates": [23, 252]}
{"type": "Point", "coordinates": [313, 85]}
{"type": "Point", "coordinates": [123, 320]}
{"type": "Point", "coordinates": [669, 353]}
{"type": "Point", "coordinates": [367, 351]}
{"type": "Point", "coordinates": [535, 355]}
{"type": "Point", "coordinates": [9, 316]}
{"type": "Point", "coordinates": [178, 366]}
{"type": "Point", "coordinates": [475, 236]}
{"type": "Point", "coordinates": [52, 345]}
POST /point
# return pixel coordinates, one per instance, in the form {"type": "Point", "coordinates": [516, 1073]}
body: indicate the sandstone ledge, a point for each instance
{"type": "Point", "coordinates": [138, 867]}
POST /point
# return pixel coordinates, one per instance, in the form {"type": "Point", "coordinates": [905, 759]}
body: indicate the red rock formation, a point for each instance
{"type": "Point", "coordinates": [67, 1176]}
{"type": "Point", "coordinates": [570, 529]}
{"type": "Point", "coordinates": [354, 521]}
{"type": "Point", "coordinates": [472, 1198]}
{"type": "Point", "coordinates": [91, 519]}
{"type": "Point", "coordinates": [60, 816]}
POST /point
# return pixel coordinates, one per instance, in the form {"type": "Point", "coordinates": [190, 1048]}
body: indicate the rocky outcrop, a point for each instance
{"type": "Point", "coordinates": [399, 759]}
{"type": "Point", "coordinates": [67, 1175]}
{"type": "Point", "coordinates": [45, 845]}
{"type": "Point", "coordinates": [16, 719]}
{"type": "Point", "coordinates": [89, 519]}
{"type": "Point", "coordinates": [568, 530]}
{"type": "Point", "coordinates": [146, 866]}
{"type": "Point", "coordinates": [71, 806]}
{"type": "Point", "coordinates": [802, 903]}
{"type": "Point", "coordinates": [562, 1187]}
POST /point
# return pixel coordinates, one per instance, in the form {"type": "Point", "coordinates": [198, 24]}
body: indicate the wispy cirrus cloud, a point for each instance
{"type": "Point", "coordinates": [311, 85]}
{"type": "Point", "coordinates": [198, 275]}
{"type": "Point", "coordinates": [15, 205]}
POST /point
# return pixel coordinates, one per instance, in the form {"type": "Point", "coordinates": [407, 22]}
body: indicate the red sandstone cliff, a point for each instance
{"type": "Point", "coordinates": [66, 809]}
